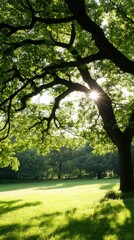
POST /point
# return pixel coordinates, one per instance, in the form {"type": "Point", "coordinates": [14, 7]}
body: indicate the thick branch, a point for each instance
{"type": "Point", "coordinates": [72, 86]}
{"type": "Point", "coordinates": [108, 50]}
{"type": "Point", "coordinates": [78, 62]}
{"type": "Point", "coordinates": [73, 34]}
{"type": "Point", "coordinates": [7, 123]}
{"type": "Point", "coordinates": [14, 46]}
{"type": "Point", "coordinates": [55, 20]}
{"type": "Point", "coordinates": [14, 29]}
{"type": "Point", "coordinates": [65, 45]}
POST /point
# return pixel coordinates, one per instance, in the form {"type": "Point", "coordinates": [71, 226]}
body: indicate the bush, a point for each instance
{"type": "Point", "coordinates": [117, 195]}
{"type": "Point", "coordinates": [112, 195]}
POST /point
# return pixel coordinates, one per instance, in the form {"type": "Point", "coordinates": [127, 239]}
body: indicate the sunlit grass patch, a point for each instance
{"type": "Point", "coordinates": [64, 210]}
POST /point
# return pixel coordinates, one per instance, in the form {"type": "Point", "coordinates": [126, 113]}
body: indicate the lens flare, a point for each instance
{"type": "Point", "coordinates": [94, 95]}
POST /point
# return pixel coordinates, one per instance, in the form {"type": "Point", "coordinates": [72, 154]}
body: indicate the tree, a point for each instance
{"type": "Point", "coordinates": [95, 165]}
{"type": "Point", "coordinates": [60, 47]}
{"type": "Point", "coordinates": [81, 156]}
{"type": "Point", "coordinates": [56, 162]}
{"type": "Point", "coordinates": [111, 163]}
{"type": "Point", "coordinates": [59, 161]}
{"type": "Point", "coordinates": [32, 165]}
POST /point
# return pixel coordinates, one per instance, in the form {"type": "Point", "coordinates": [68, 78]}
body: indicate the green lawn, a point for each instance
{"type": "Point", "coordinates": [65, 210]}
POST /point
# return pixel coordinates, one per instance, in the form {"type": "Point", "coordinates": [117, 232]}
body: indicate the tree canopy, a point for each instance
{"type": "Point", "coordinates": [62, 47]}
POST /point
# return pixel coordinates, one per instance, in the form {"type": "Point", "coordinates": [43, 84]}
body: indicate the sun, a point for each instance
{"type": "Point", "coordinates": [94, 95]}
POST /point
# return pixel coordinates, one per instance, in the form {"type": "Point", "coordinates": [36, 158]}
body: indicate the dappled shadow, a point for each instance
{"type": "Point", "coordinates": [13, 230]}
{"type": "Point", "coordinates": [9, 228]}
{"type": "Point", "coordinates": [46, 220]}
{"type": "Point", "coordinates": [4, 187]}
{"type": "Point", "coordinates": [8, 206]}
{"type": "Point", "coordinates": [104, 223]}
{"type": "Point", "coordinates": [33, 237]}
{"type": "Point", "coordinates": [91, 227]}
{"type": "Point", "coordinates": [129, 204]}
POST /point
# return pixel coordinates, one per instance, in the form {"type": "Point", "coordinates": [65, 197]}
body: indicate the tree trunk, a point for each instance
{"type": "Point", "coordinates": [126, 167]}
{"type": "Point", "coordinates": [99, 175]}
{"type": "Point", "coordinates": [52, 174]}
{"type": "Point", "coordinates": [59, 170]}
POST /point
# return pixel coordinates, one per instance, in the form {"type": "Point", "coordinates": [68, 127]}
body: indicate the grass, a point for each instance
{"type": "Point", "coordinates": [64, 210]}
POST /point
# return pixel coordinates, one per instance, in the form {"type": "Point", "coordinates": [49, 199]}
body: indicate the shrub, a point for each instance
{"type": "Point", "coordinates": [117, 195]}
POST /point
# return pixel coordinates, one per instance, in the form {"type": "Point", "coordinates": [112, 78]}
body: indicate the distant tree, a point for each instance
{"type": "Point", "coordinates": [112, 164]}
{"type": "Point", "coordinates": [32, 165]}
{"type": "Point", "coordinates": [95, 166]}
{"type": "Point", "coordinates": [69, 168]}
{"type": "Point", "coordinates": [58, 161]}
{"type": "Point", "coordinates": [80, 156]}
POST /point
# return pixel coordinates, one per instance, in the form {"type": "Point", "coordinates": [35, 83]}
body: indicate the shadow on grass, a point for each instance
{"type": "Point", "coordinates": [129, 204]}
{"type": "Point", "coordinates": [4, 229]}
{"type": "Point", "coordinates": [57, 184]}
{"type": "Point", "coordinates": [8, 206]}
{"type": "Point", "coordinates": [105, 223]}
{"type": "Point", "coordinates": [105, 184]}
{"type": "Point", "coordinates": [112, 219]}
{"type": "Point", "coordinates": [15, 232]}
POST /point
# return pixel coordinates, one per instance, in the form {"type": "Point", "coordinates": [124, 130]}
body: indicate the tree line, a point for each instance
{"type": "Point", "coordinates": [64, 163]}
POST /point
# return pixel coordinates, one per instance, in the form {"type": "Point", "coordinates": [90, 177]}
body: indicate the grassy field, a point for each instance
{"type": "Point", "coordinates": [64, 210]}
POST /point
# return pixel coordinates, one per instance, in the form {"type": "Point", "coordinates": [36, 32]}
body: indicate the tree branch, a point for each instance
{"type": "Point", "coordinates": [65, 45]}
{"type": "Point", "coordinates": [7, 123]}
{"type": "Point", "coordinates": [71, 87]}
{"type": "Point", "coordinates": [15, 45]}
{"type": "Point", "coordinates": [104, 46]}
{"type": "Point", "coordinates": [78, 62]}
{"type": "Point", "coordinates": [14, 94]}
{"type": "Point", "coordinates": [14, 29]}
{"type": "Point", "coordinates": [73, 34]}
{"type": "Point", "coordinates": [37, 91]}
{"type": "Point", "coordinates": [57, 80]}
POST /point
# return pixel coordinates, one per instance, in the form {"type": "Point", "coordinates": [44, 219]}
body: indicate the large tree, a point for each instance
{"type": "Point", "coordinates": [64, 46]}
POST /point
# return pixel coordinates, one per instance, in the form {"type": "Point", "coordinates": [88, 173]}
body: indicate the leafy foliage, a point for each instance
{"type": "Point", "coordinates": [63, 49]}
